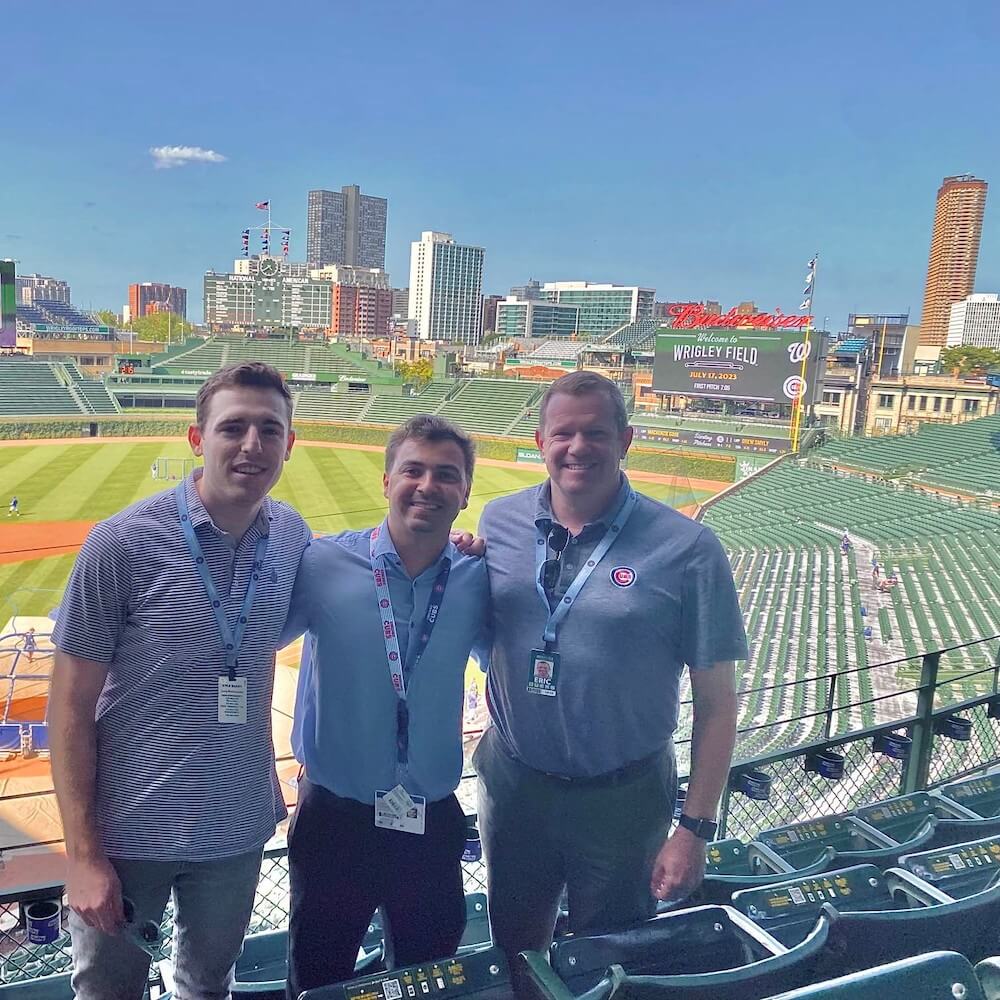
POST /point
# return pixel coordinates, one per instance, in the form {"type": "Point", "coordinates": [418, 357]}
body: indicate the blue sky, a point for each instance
{"type": "Point", "coordinates": [705, 149]}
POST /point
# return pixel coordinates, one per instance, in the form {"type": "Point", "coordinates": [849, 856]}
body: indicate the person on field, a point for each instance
{"type": "Point", "coordinates": [392, 613]}
{"type": "Point", "coordinates": [13, 509]}
{"type": "Point", "coordinates": [160, 704]}
{"type": "Point", "coordinates": [600, 597]}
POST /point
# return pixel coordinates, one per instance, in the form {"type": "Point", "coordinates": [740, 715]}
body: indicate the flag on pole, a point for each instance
{"type": "Point", "coordinates": [263, 205]}
{"type": "Point", "coordinates": [807, 293]}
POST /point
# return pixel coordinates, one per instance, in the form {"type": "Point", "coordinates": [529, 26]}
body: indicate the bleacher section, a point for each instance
{"type": "Point", "coordinates": [34, 387]}
{"type": "Point", "coordinates": [322, 404]}
{"type": "Point", "coordinates": [964, 457]}
{"type": "Point", "coordinates": [286, 356]}
{"type": "Point", "coordinates": [489, 406]}
{"type": "Point", "coordinates": [803, 599]}
{"type": "Point", "coordinates": [93, 393]}
{"type": "Point", "coordinates": [393, 410]}
{"type": "Point", "coordinates": [59, 314]}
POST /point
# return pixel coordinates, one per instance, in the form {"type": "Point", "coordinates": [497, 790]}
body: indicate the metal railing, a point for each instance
{"type": "Point", "coordinates": [795, 792]}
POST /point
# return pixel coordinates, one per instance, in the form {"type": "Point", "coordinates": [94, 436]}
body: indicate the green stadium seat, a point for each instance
{"type": "Point", "coordinates": [980, 795]}
{"type": "Point", "coordinates": [705, 953]}
{"type": "Point", "coordinates": [940, 974]}
{"type": "Point", "coordinates": [46, 988]}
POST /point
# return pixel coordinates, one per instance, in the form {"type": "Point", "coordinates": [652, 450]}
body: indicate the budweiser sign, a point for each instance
{"type": "Point", "coordinates": [689, 317]}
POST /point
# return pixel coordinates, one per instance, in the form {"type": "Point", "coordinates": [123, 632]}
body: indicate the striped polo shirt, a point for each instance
{"type": "Point", "coordinates": [662, 597]}
{"type": "Point", "coordinates": [174, 784]}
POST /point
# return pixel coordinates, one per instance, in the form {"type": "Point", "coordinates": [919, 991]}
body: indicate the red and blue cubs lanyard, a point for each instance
{"type": "Point", "coordinates": [232, 640]}
{"type": "Point", "coordinates": [400, 671]}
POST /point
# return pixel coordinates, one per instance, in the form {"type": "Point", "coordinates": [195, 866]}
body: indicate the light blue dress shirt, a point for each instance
{"type": "Point", "coordinates": [345, 706]}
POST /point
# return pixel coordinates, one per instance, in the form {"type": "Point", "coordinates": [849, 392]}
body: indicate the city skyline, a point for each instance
{"type": "Point", "coordinates": [714, 171]}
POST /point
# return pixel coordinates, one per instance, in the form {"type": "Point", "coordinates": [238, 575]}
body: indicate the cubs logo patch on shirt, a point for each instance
{"type": "Point", "coordinates": [623, 576]}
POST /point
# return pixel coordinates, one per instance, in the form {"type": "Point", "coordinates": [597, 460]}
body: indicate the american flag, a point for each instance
{"type": "Point", "coordinates": [263, 205]}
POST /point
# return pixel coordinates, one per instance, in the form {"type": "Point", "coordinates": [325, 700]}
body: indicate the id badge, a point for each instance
{"type": "Point", "coordinates": [543, 673]}
{"type": "Point", "coordinates": [233, 700]}
{"type": "Point", "coordinates": [398, 810]}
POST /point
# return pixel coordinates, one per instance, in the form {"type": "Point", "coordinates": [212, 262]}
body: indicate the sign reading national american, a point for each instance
{"type": "Point", "coordinates": [761, 362]}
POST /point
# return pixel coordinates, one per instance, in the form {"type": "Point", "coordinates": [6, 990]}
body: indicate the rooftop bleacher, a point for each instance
{"type": "Point", "coordinates": [640, 335]}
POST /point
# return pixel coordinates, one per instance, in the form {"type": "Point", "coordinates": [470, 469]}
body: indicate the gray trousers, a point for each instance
{"type": "Point", "coordinates": [541, 835]}
{"type": "Point", "coordinates": [212, 905]}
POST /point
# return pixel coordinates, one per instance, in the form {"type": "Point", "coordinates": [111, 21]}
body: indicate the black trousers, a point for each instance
{"type": "Point", "coordinates": [342, 867]}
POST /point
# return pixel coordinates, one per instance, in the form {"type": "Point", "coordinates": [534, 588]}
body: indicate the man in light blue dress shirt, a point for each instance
{"type": "Point", "coordinates": [392, 614]}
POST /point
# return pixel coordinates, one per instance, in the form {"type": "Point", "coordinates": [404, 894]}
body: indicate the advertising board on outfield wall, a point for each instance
{"type": "Point", "coordinates": [713, 439]}
{"type": "Point", "coordinates": [759, 364]}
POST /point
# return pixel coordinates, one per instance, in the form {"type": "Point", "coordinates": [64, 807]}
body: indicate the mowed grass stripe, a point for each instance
{"type": "Point", "coordinates": [28, 477]}
{"type": "Point", "coordinates": [34, 587]}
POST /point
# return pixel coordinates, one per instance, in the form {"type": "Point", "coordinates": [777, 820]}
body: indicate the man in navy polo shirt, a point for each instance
{"type": "Point", "coordinates": [392, 613]}
{"type": "Point", "coordinates": [600, 597]}
{"type": "Point", "coordinates": [160, 705]}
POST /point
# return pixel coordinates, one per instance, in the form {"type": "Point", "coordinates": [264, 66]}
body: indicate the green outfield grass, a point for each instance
{"type": "Point", "coordinates": [334, 489]}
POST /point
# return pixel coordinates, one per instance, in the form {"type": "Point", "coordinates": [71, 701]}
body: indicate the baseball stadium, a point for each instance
{"type": "Point", "coordinates": [861, 823]}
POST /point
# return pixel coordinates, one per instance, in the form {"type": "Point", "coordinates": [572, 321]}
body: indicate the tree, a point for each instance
{"type": "Point", "coordinates": [108, 318]}
{"type": "Point", "coordinates": [965, 360]}
{"type": "Point", "coordinates": [417, 373]}
{"type": "Point", "coordinates": [159, 326]}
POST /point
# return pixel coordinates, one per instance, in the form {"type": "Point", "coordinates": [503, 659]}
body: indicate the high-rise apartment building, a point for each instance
{"type": "Point", "coordinates": [603, 308]}
{"type": "Point", "coordinates": [951, 270]}
{"type": "Point", "coordinates": [975, 322]}
{"type": "Point", "coordinates": [346, 227]}
{"type": "Point", "coordinates": [154, 296]}
{"type": "Point", "coordinates": [446, 289]}
{"type": "Point", "coordinates": [29, 287]}
{"type": "Point", "coordinates": [490, 303]}
{"type": "Point", "coordinates": [401, 302]}
{"type": "Point", "coordinates": [361, 300]}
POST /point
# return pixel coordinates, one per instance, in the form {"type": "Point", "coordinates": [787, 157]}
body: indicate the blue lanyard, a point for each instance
{"type": "Point", "coordinates": [556, 617]}
{"type": "Point", "coordinates": [232, 641]}
{"type": "Point", "coordinates": [399, 671]}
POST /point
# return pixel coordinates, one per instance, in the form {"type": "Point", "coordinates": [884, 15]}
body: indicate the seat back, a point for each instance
{"type": "Point", "coordinates": [789, 909]}
{"type": "Point", "coordinates": [960, 831]}
{"type": "Point", "coordinates": [727, 857]}
{"type": "Point", "coordinates": [970, 926]}
{"type": "Point", "coordinates": [697, 940]}
{"type": "Point", "coordinates": [46, 988]}
{"type": "Point", "coordinates": [939, 974]}
{"type": "Point", "coordinates": [980, 794]}
{"type": "Point", "coordinates": [479, 975]}
{"type": "Point", "coordinates": [799, 844]}
{"type": "Point", "coordinates": [960, 869]}
{"type": "Point", "coordinates": [901, 817]}
{"type": "Point", "coordinates": [10, 737]}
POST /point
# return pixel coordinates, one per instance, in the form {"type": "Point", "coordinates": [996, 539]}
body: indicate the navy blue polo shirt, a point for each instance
{"type": "Point", "coordinates": [663, 597]}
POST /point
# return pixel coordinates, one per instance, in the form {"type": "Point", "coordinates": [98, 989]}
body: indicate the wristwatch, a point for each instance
{"type": "Point", "coordinates": [703, 828]}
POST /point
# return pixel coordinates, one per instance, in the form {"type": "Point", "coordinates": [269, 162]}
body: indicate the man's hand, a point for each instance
{"type": "Point", "coordinates": [679, 867]}
{"type": "Point", "coordinates": [468, 545]}
{"type": "Point", "coordinates": [95, 893]}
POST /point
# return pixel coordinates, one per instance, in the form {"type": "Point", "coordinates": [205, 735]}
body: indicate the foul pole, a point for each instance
{"type": "Point", "coordinates": [807, 305]}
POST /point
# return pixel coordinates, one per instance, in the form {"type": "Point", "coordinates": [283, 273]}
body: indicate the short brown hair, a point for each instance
{"type": "Point", "coordinates": [583, 384]}
{"type": "Point", "coordinates": [427, 427]}
{"type": "Point", "coordinates": [256, 374]}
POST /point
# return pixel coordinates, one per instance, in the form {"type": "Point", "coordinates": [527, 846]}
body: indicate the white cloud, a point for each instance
{"type": "Point", "coordinates": [165, 157]}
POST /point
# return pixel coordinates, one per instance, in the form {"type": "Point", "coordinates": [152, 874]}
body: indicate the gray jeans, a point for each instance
{"type": "Point", "coordinates": [212, 905]}
{"type": "Point", "coordinates": [540, 835]}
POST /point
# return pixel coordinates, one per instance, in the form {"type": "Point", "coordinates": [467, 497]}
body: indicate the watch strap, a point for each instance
{"type": "Point", "coordinates": [703, 828]}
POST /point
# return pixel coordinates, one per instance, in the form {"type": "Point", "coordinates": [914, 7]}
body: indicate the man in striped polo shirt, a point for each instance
{"type": "Point", "coordinates": [160, 706]}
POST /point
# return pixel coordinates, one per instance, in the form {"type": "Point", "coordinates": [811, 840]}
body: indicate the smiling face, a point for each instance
{"type": "Point", "coordinates": [426, 487]}
{"type": "Point", "coordinates": [582, 445]}
{"type": "Point", "coordinates": [245, 438]}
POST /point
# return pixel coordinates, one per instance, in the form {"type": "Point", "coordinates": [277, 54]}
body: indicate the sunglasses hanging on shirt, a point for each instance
{"type": "Point", "coordinates": [557, 540]}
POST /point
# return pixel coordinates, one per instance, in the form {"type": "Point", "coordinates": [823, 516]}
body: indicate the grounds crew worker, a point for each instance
{"type": "Point", "coordinates": [600, 596]}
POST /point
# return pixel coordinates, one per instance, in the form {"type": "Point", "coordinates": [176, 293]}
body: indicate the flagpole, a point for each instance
{"type": "Point", "coordinates": [800, 400]}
